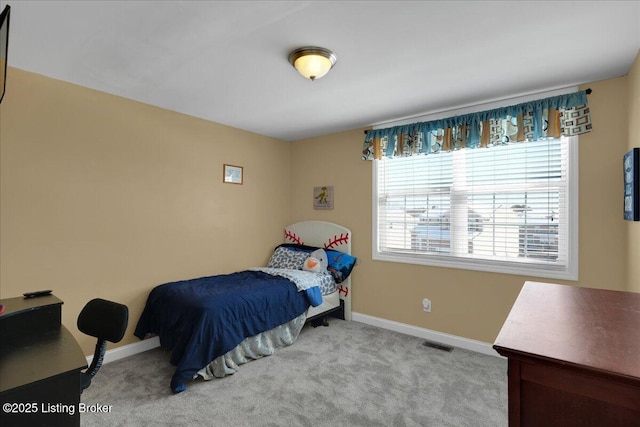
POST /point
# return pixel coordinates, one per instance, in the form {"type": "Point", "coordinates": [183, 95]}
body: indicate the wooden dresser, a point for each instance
{"type": "Point", "coordinates": [574, 357]}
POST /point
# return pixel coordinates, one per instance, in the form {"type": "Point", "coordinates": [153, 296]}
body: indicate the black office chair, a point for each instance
{"type": "Point", "coordinates": [107, 321]}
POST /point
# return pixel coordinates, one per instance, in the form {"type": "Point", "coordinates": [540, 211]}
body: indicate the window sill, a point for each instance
{"type": "Point", "coordinates": [532, 270]}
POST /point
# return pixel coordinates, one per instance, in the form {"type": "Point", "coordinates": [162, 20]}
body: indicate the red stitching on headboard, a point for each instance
{"type": "Point", "coordinates": [336, 241]}
{"type": "Point", "coordinates": [288, 235]}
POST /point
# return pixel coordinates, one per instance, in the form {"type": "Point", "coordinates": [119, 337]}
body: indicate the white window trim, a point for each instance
{"type": "Point", "coordinates": [570, 273]}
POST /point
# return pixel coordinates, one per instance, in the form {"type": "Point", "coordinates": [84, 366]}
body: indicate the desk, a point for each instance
{"type": "Point", "coordinates": [574, 357]}
{"type": "Point", "coordinates": [40, 364]}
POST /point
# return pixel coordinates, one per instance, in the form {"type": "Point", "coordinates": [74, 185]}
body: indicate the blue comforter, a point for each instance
{"type": "Point", "coordinates": [201, 319]}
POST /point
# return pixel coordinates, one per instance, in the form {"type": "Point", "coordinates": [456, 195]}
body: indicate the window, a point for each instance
{"type": "Point", "coordinates": [509, 209]}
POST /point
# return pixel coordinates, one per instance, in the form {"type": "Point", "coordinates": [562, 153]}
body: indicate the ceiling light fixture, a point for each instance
{"type": "Point", "coordinates": [312, 62]}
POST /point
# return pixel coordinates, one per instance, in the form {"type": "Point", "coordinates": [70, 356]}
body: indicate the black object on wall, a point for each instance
{"type": "Point", "coordinates": [4, 48]}
{"type": "Point", "coordinates": [631, 164]}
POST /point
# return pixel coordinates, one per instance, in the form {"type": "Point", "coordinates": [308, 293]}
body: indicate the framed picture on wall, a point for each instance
{"type": "Point", "coordinates": [632, 185]}
{"type": "Point", "coordinates": [323, 197]}
{"type": "Point", "coordinates": [232, 174]}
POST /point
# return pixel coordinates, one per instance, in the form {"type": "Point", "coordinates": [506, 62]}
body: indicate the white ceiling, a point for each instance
{"type": "Point", "coordinates": [227, 61]}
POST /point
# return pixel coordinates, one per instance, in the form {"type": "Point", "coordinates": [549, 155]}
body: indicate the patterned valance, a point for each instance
{"type": "Point", "coordinates": [562, 115]}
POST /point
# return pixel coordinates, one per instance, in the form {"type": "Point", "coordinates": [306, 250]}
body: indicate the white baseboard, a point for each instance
{"type": "Point", "coordinates": [427, 334]}
{"type": "Point", "coordinates": [128, 350]}
{"type": "Point", "coordinates": [439, 337]}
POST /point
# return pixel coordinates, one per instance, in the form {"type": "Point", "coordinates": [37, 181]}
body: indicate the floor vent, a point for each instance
{"type": "Point", "coordinates": [437, 346]}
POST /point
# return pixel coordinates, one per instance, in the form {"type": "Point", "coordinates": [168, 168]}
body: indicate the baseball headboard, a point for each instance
{"type": "Point", "coordinates": [326, 235]}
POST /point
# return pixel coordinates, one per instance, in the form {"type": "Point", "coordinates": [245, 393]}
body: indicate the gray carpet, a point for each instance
{"type": "Point", "coordinates": [346, 374]}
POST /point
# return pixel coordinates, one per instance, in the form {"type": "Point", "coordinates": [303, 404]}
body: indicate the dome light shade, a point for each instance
{"type": "Point", "coordinates": [312, 62]}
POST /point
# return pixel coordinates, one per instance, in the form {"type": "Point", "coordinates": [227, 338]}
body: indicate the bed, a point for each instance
{"type": "Point", "coordinates": [213, 324]}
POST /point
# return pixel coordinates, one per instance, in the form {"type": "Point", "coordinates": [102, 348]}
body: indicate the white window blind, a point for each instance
{"type": "Point", "coordinates": [509, 208]}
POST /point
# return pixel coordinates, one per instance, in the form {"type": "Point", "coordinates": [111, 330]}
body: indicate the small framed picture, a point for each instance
{"type": "Point", "coordinates": [323, 197]}
{"type": "Point", "coordinates": [232, 174]}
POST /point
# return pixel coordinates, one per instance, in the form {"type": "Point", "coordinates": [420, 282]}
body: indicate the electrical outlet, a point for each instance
{"type": "Point", "coordinates": [426, 305]}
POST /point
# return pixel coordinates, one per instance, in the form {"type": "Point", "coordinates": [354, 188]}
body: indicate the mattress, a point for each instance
{"type": "Point", "coordinates": [329, 302]}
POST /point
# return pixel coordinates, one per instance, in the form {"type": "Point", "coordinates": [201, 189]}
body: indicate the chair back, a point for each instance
{"type": "Point", "coordinates": [105, 320]}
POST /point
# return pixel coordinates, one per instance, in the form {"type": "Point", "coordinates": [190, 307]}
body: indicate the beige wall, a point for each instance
{"type": "Point", "coordinates": [633, 228]}
{"type": "Point", "coordinates": [107, 197]}
{"type": "Point", "coordinates": [467, 303]}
